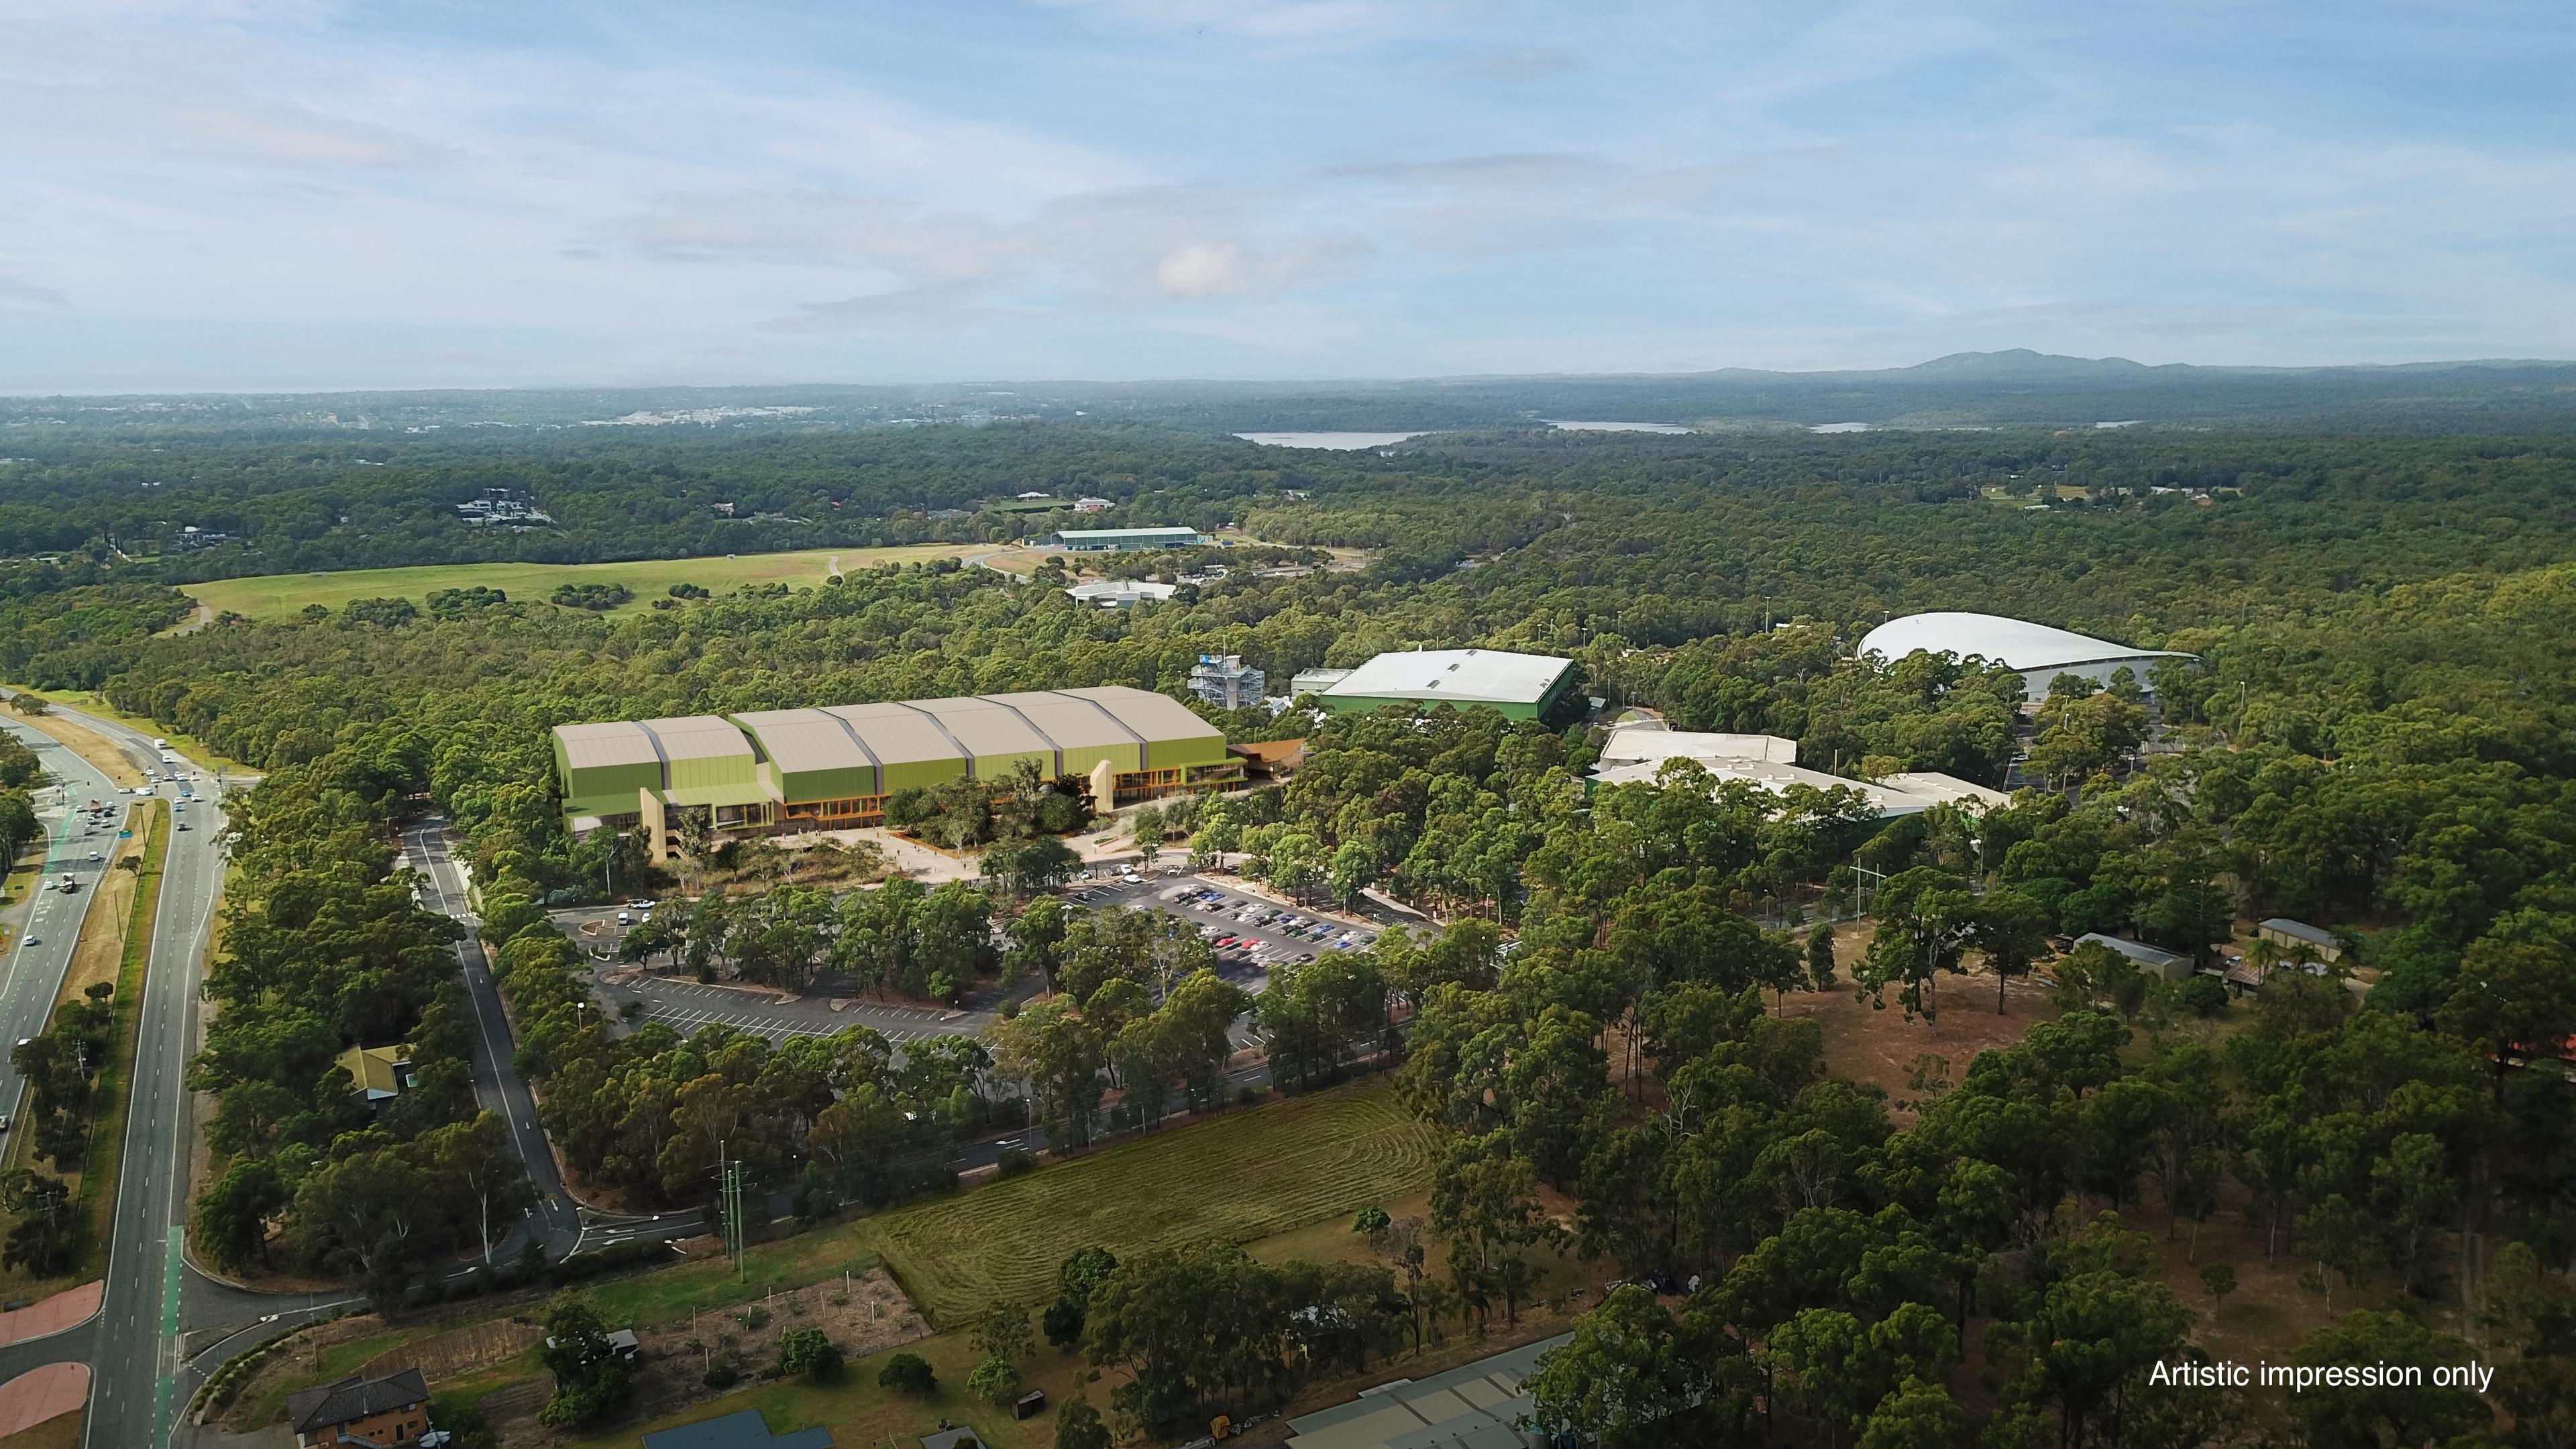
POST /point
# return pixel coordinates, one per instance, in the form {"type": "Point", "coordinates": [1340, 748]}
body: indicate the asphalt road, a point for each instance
{"type": "Point", "coordinates": [132, 1346]}
{"type": "Point", "coordinates": [558, 1221]}
{"type": "Point", "coordinates": [52, 922]}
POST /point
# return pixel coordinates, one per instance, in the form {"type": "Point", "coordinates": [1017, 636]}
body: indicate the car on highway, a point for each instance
{"type": "Point", "coordinates": [69, 883]}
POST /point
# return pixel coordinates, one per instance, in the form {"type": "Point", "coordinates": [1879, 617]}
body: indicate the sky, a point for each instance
{"type": "Point", "coordinates": [277, 194]}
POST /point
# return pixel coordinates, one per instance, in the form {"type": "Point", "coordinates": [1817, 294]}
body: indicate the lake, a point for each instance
{"type": "Point", "coordinates": [1339, 442]}
{"type": "Point", "coordinates": [1838, 427]}
{"type": "Point", "coordinates": [1596, 427]}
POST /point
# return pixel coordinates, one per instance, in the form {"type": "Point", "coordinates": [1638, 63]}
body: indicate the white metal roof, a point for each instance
{"type": "Point", "coordinates": [1633, 743]}
{"type": "Point", "coordinates": [1776, 779]}
{"type": "Point", "coordinates": [1950, 789]}
{"type": "Point", "coordinates": [1470, 676]}
{"type": "Point", "coordinates": [2015, 643]}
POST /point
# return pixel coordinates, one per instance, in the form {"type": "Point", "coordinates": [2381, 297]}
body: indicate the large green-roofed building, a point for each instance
{"type": "Point", "coordinates": [765, 771]}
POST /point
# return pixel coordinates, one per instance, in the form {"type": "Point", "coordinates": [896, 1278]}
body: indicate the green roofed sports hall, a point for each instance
{"type": "Point", "coordinates": [771, 771]}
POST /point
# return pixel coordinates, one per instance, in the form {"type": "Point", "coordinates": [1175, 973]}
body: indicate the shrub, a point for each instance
{"type": "Point", "coordinates": [808, 1353]}
{"type": "Point", "coordinates": [1016, 1160]}
{"type": "Point", "coordinates": [994, 1381]}
{"type": "Point", "coordinates": [909, 1373]}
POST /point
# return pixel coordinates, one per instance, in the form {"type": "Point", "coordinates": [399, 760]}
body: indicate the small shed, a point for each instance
{"type": "Point", "coordinates": [2154, 960]}
{"type": "Point", "coordinates": [2293, 937]}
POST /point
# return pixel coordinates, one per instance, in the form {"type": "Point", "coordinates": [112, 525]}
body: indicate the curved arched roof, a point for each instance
{"type": "Point", "coordinates": [2015, 643]}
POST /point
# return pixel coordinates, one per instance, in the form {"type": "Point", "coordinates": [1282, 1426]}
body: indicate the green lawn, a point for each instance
{"type": "Point", "coordinates": [273, 596]}
{"type": "Point", "coordinates": [1245, 1175]}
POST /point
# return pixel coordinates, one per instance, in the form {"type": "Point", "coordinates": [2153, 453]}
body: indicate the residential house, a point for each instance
{"type": "Point", "coordinates": [376, 1412]}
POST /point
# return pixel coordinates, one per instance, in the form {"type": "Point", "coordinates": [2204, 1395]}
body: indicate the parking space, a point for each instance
{"type": "Point", "coordinates": [1251, 937]}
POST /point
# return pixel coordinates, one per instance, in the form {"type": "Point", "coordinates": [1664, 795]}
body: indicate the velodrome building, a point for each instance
{"type": "Point", "coordinates": [785, 770]}
{"type": "Point", "coordinates": [2039, 652]}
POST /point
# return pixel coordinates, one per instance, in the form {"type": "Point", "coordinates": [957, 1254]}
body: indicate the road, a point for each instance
{"type": "Point", "coordinates": [132, 1346]}
{"type": "Point", "coordinates": [558, 1222]}
{"type": "Point", "coordinates": [53, 921]}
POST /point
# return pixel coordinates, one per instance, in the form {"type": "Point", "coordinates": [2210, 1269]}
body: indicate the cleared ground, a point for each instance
{"type": "Point", "coordinates": [1244, 1175]}
{"type": "Point", "coordinates": [273, 596]}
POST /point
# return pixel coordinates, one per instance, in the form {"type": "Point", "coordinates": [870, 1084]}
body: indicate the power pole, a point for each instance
{"type": "Point", "coordinates": [729, 1190]}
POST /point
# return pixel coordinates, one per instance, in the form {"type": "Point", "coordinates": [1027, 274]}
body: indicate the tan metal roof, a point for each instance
{"type": "Point", "coordinates": [896, 734]}
{"type": "Point", "coordinates": [987, 728]}
{"type": "Point", "coordinates": [1155, 716]}
{"type": "Point", "coordinates": [697, 737]}
{"type": "Point", "coordinates": [802, 740]}
{"type": "Point", "coordinates": [1073, 723]}
{"type": "Point", "coordinates": [598, 746]}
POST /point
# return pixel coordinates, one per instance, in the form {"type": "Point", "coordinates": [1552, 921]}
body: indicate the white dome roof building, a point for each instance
{"type": "Point", "coordinates": [2039, 652]}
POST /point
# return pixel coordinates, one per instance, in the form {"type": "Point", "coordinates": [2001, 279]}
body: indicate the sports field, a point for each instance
{"type": "Point", "coordinates": [1245, 1175]}
{"type": "Point", "coordinates": [273, 596]}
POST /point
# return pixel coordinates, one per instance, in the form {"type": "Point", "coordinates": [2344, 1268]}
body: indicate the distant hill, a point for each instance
{"type": "Point", "coordinates": [2013, 388]}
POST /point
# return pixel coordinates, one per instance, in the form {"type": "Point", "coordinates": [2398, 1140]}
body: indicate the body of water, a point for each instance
{"type": "Point", "coordinates": [1339, 442]}
{"type": "Point", "coordinates": [1838, 427]}
{"type": "Point", "coordinates": [1598, 427]}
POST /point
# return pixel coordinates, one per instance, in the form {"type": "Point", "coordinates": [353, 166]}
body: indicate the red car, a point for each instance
{"type": "Point", "coordinates": [1224, 941]}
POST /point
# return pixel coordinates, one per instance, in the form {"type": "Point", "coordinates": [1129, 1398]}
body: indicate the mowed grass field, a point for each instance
{"type": "Point", "coordinates": [274, 596]}
{"type": "Point", "coordinates": [1242, 1176]}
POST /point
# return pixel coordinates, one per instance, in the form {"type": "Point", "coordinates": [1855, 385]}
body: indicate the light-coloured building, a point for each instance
{"type": "Point", "coordinates": [1636, 753]}
{"type": "Point", "coordinates": [1128, 540]}
{"type": "Point", "coordinates": [2038, 651]}
{"type": "Point", "coordinates": [2297, 938]}
{"type": "Point", "coordinates": [2155, 960]}
{"type": "Point", "coordinates": [1637, 744]}
{"type": "Point", "coordinates": [1520, 686]}
{"type": "Point", "coordinates": [1120, 593]}
{"type": "Point", "coordinates": [1315, 681]}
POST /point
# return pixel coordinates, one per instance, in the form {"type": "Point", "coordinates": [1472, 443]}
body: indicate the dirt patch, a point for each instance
{"type": "Point", "coordinates": [458, 1351]}
{"type": "Point", "coordinates": [863, 1313]}
{"type": "Point", "coordinates": [87, 743]}
{"type": "Point", "coordinates": [1881, 1047]}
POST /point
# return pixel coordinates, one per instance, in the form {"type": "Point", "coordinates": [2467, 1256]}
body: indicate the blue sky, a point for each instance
{"type": "Point", "coordinates": [209, 194]}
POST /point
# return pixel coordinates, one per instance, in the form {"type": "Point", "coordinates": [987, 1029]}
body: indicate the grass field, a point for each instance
{"type": "Point", "coordinates": [273, 596]}
{"type": "Point", "coordinates": [1245, 1175]}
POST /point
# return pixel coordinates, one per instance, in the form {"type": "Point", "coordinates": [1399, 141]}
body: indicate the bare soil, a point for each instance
{"type": "Point", "coordinates": [862, 1314]}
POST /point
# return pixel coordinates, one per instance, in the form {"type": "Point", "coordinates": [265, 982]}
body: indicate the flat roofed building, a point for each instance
{"type": "Point", "coordinates": [1120, 593]}
{"type": "Point", "coordinates": [1128, 540]}
{"type": "Point", "coordinates": [2038, 651]}
{"type": "Point", "coordinates": [833, 768]}
{"type": "Point", "coordinates": [1772, 777]}
{"type": "Point", "coordinates": [1315, 681]}
{"type": "Point", "coordinates": [1473, 1406]}
{"type": "Point", "coordinates": [1521, 686]}
{"type": "Point", "coordinates": [1946, 789]}
{"type": "Point", "coordinates": [1632, 744]}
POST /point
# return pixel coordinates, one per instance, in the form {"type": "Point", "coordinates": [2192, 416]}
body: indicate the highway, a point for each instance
{"type": "Point", "coordinates": [53, 921]}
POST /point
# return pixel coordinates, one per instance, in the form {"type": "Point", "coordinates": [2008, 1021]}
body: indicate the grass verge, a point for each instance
{"type": "Point", "coordinates": [1245, 1175]}
{"type": "Point", "coordinates": [106, 1157]}
{"type": "Point", "coordinates": [278, 596]}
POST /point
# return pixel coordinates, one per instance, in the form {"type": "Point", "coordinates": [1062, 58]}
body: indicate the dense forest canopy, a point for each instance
{"type": "Point", "coordinates": [2377, 738]}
